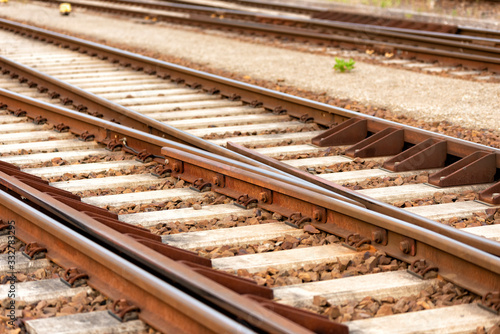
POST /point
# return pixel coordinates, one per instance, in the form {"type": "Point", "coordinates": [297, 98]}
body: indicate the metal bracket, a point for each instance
{"type": "Point", "coordinates": [219, 181]}
{"type": "Point", "coordinates": [61, 128]}
{"type": "Point", "coordinates": [408, 246]}
{"type": "Point", "coordinates": [389, 141]}
{"type": "Point", "coordinates": [491, 301]}
{"type": "Point", "coordinates": [298, 220]}
{"type": "Point", "coordinates": [54, 95]}
{"type": "Point", "coordinates": [266, 196]}
{"type": "Point", "coordinates": [425, 155]}
{"type": "Point", "coordinates": [379, 236]}
{"type": "Point", "coordinates": [144, 156]}
{"type": "Point", "coordinates": [39, 120]}
{"type": "Point", "coordinates": [355, 241]}
{"type": "Point", "coordinates": [161, 171]}
{"type": "Point", "coordinates": [86, 136]}
{"type": "Point", "coordinates": [42, 89]}
{"type": "Point", "coordinates": [491, 195]}
{"type": "Point", "coordinates": [256, 104]}
{"type": "Point", "coordinates": [114, 145]}
{"type": "Point", "coordinates": [200, 185]}
{"type": "Point", "coordinates": [420, 267]}
{"type": "Point", "coordinates": [319, 215]}
{"type": "Point", "coordinates": [74, 278]}
{"type": "Point", "coordinates": [95, 114]}
{"type": "Point", "coordinates": [279, 110]}
{"type": "Point", "coordinates": [306, 118]}
{"type": "Point", "coordinates": [34, 251]}
{"type": "Point", "coordinates": [478, 167]}
{"type": "Point", "coordinates": [244, 201]}
{"type": "Point", "coordinates": [123, 311]}
{"type": "Point", "coordinates": [346, 133]}
{"type": "Point", "coordinates": [65, 101]}
{"type": "Point", "coordinates": [20, 113]}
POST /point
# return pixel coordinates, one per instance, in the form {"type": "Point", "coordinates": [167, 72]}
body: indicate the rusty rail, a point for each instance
{"type": "Point", "coordinates": [178, 267]}
{"type": "Point", "coordinates": [321, 113]}
{"type": "Point", "coordinates": [464, 265]}
{"type": "Point", "coordinates": [161, 305]}
{"type": "Point", "coordinates": [332, 215]}
{"type": "Point", "coordinates": [90, 128]}
{"type": "Point", "coordinates": [455, 149]}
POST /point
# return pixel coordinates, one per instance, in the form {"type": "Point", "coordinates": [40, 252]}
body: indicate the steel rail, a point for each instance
{"type": "Point", "coordinates": [315, 11]}
{"type": "Point", "coordinates": [104, 131]}
{"type": "Point", "coordinates": [79, 123]}
{"type": "Point", "coordinates": [162, 306]}
{"type": "Point", "coordinates": [162, 267]}
{"type": "Point", "coordinates": [466, 266]}
{"type": "Point", "coordinates": [297, 107]}
{"type": "Point", "coordinates": [352, 35]}
{"type": "Point", "coordinates": [272, 100]}
{"type": "Point", "coordinates": [462, 264]}
{"type": "Point", "coordinates": [461, 35]}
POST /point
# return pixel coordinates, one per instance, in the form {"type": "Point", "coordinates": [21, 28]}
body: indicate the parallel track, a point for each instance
{"type": "Point", "coordinates": [479, 51]}
{"type": "Point", "coordinates": [279, 195]}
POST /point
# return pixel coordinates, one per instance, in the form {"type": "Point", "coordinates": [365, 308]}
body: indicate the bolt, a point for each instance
{"type": "Point", "coordinates": [317, 215]}
{"type": "Point", "coordinates": [216, 181]}
{"type": "Point", "coordinates": [442, 178]}
{"type": "Point", "coordinates": [175, 167]}
{"type": "Point", "coordinates": [377, 236]}
{"type": "Point", "coordinates": [263, 197]}
{"type": "Point", "coordinates": [404, 246]}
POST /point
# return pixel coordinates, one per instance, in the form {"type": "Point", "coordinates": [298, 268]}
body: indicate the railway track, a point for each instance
{"type": "Point", "coordinates": [60, 281]}
{"type": "Point", "coordinates": [270, 251]}
{"type": "Point", "coordinates": [279, 246]}
{"type": "Point", "coordinates": [449, 46]}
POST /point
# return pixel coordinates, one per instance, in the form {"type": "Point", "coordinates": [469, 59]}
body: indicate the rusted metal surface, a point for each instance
{"type": "Point", "coordinates": [336, 33]}
{"type": "Point", "coordinates": [478, 167]}
{"type": "Point", "coordinates": [136, 142]}
{"type": "Point", "coordinates": [109, 110]}
{"type": "Point", "coordinates": [322, 113]}
{"type": "Point", "coordinates": [108, 132]}
{"type": "Point", "coordinates": [491, 195]}
{"type": "Point", "coordinates": [426, 155]}
{"type": "Point", "coordinates": [457, 262]}
{"type": "Point", "coordinates": [346, 133]}
{"type": "Point", "coordinates": [163, 308]}
{"type": "Point", "coordinates": [389, 141]}
{"type": "Point", "coordinates": [380, 207]}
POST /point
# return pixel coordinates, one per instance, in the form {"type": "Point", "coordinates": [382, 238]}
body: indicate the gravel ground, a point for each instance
{"type": "Point", "coordinates": [424, 97]}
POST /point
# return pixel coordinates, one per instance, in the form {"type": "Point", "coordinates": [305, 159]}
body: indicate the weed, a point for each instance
{"type": "Point", "coordinates": [343, 65]}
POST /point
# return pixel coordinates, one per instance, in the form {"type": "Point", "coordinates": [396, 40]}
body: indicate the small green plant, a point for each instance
{"type": "Point", "coordinates": [343, 65]}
